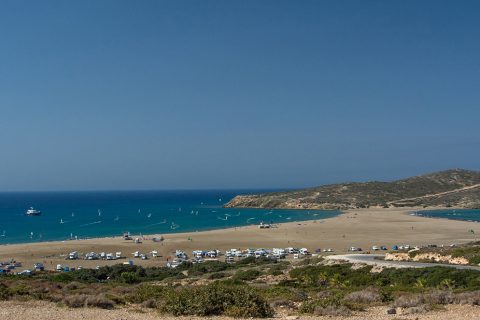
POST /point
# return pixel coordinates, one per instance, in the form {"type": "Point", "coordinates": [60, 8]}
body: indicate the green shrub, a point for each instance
{"type": "Point", "coordinates": [276, 292]}
{"type": "Point", "coordinates": [206, 267]}
{"type": "Point", "coordinates": [143, 293]}
{"type": "Point", "coordinates": [277, 269]}
{"type": "Point", "coordinates": [4, 294]}
{"type": "Point", "coordinates": [130, 277]}
{"type": "Point", "coordinates": [217, 275]}
{"type": "Point", "coordinates": [217, 299]}
{"type": "Point", "coordinates": [325, 300]}
{"type": "Point", "coordinates": [247, 275]}
{"type": "Point", "coordinates": [62, 277]}
{"type": "Point", "coordinates": [19, 290]}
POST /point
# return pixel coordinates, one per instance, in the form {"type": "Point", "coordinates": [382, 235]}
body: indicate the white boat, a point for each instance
{"type": "Point", "coordinates": [33, 212]}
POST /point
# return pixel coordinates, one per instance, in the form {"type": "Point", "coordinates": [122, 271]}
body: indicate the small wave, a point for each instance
{"type": "Point", "coordinates": [156, 224]}
{"type": "Point", "coordinates": [89, 224]}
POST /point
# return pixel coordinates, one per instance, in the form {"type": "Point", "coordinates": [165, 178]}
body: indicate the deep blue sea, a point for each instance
{"type": "Point", "coordinates": [463, 214]}
{"type": "Point", "coordinates": [68, 215]}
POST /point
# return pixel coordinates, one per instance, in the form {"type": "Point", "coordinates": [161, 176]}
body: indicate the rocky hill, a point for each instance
{"type": "Point", "coordinates": [451, 188]}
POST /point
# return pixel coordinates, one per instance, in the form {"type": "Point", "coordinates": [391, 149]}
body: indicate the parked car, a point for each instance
{"type": "Point", "coordinates": [39, 266]}
{"type": "Point", "coordinates": [25, 273]}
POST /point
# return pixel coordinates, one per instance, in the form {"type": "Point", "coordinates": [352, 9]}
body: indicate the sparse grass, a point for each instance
{"type": "Point", "coordinates": [332, 311]}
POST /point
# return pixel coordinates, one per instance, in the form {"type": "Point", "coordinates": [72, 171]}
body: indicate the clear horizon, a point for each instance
{"type": "Point", "coordinates": [211, 95]}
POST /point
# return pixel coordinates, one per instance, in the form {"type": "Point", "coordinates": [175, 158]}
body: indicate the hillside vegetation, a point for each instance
{"type": "Point", "coordinates": [250, 288]}
{"type": "Point", "coordinates": [451, 188]}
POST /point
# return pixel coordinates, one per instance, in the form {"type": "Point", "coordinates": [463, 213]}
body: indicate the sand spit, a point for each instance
{"type": "Point", "coordinates": [360, 228]}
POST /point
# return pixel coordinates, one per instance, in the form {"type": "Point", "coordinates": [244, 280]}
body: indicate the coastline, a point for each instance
{"type": "Point", "coordinates": [359, 227]}
{"type": "Point", "coordinates": [172, 232]}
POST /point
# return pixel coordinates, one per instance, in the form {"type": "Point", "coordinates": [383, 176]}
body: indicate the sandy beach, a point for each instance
{"type": "Point", "coordinates": [361, 228]}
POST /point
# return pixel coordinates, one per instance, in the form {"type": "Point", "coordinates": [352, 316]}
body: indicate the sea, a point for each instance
{"type": "Point", "coordinates": [80, 215]}
{"type": "Point", "coordinates": [453, 214]}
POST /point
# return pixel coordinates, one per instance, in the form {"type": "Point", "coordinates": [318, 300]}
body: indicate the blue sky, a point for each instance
{"type": "Point", "coordinates": [235, 94]}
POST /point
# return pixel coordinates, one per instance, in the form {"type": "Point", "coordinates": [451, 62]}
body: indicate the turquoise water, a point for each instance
{"type": "Point", "coordinates": [464, 214]}
{"type": "Point", "coordinates": [68, 215]}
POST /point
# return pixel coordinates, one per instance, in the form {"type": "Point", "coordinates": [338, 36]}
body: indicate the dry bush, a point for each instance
{"type": "Point", "coordinates": [55, 297]}
{"type": "Point", "coordinates": [332, 311]}
{"type": "Point", "coordinates": [121, 290]}
{"type": "Point", "coordinates": [439, 297]}
{"type": "Point", "coordinates": [88, 290]}
{"type": "Point", "coordinates": [72, 286]}
{"type": "Point", "coordinates": [323, 294]}
{"type": "Point", "coordinates": [300, 295]}
{"type": "Point", "coordinates": [75, 301]}
{"type": "Point", "coordinates": [368, 295]}
{"type": "Point", "coordinates": [282, 303]}
{"type": "Point", "coordinates": [99, 302]}
{"type": "Point", "coordinates": [151, 304]}
{"type": "Point", "coordinates": [472, 298]}
{"type": "Point", "coordinates": [409, 301]}
{"type": "Point", "coordinates": [423, 308]}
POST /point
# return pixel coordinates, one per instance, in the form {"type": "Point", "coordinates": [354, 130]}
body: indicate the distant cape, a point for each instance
{"type": "Point", "coordinates": [451, 188]}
